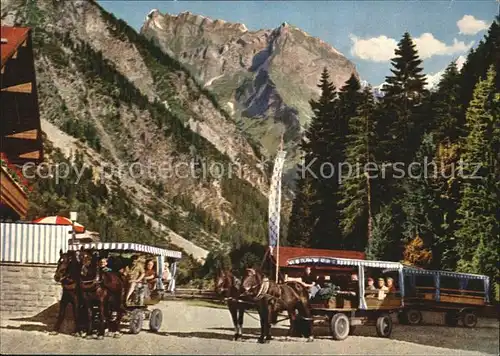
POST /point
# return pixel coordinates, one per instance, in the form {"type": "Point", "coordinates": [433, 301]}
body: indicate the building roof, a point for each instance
{"type": "Point", "coordinates": [288, 253]}
{"type": "Point", "coordinates": [15, 37]}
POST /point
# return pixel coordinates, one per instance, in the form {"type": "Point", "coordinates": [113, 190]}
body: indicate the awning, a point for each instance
{"type": "Point", "coordinates": [345, 262]}
{"type": "Point", "coordinates": [412, 271]}
{"type": "Point", "coordinates": [127, 247]}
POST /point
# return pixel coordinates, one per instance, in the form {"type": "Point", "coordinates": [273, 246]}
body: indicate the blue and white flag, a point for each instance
{"type": "Point", "coordinates": [275, 199]}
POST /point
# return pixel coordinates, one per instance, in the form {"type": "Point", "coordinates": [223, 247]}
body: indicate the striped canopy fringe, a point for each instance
{"type": "Point", "coordinates": [412, 271]}
{"type": "Point", "coordinates": [126, 246]}
{"type": "Point", "coordinates": [345, 262]}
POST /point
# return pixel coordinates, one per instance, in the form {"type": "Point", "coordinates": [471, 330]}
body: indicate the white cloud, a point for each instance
{"type": "Point", "coordinates": [377, 49]}
{"type": "Point", "coordinates": [381, 48]}
{"type": "Point", "coordinates": [469, 25]}
{"type": "Point", "coordinates": [428, 46]}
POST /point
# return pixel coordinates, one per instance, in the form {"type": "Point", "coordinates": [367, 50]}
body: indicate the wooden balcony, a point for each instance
{"type": "Point", "coordinates": [12, 194]}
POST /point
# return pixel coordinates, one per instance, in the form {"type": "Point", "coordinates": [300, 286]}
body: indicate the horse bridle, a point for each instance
{"type": "Point", "coordinates": [66, 276]}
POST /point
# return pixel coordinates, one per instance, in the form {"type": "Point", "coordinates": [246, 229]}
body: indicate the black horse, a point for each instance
{"type": "Point", "coordinates": [104, 290]}
{"type": "Point", "coordinates": [272, 298]}
{"type": "Point", "coordinates": [228, 286]}
{"type": "Point", "coordinates": [68, 274]}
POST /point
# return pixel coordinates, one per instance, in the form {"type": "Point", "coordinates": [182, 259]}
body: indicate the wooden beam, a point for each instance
{"type": "Point", "coordinates": [14, 56]}
{"type": "Point", "coordinates": [25, 43]}
{"type": "Point", "coordinates": [25, 135]}
{"type": "Point", "coordinates": [25, 88]}
{"type": "Point", "coordinates": [30, 155]}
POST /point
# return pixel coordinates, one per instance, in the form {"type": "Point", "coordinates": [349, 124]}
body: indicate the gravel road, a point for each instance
{"type": "Point", "coordinates": [193, 329]}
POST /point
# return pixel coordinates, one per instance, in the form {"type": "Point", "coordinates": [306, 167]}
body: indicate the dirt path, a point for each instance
{"type": "Point", "coordinates": [191, 329]}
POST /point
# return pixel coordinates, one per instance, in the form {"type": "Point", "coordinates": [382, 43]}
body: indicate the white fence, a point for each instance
{"type": "Point", "coordinates": [32, 243]}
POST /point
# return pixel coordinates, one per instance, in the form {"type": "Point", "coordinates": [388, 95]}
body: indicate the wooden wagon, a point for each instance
{"type": "Point", "coordinates": [350, 308]}
{"type": "Point", "coordinates": [458, 295]}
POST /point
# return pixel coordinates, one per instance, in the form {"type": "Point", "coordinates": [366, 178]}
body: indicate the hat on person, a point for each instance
{"type": "Point", "coordinates": [370, 279]}
{"type": "Point", "coordinates": [380, 279]}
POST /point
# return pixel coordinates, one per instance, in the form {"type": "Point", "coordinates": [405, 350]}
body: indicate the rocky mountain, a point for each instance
{"type": "Point", "coordinates": [140, 117]}
{"type": "Point", "coordinates": [263, 78]}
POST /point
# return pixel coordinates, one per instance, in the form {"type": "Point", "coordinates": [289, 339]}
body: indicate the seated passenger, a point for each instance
{"type": "Point", "coordinates": [353, 284]}
{"type": "Point", "coordinates": [390, 285]}
{"type": "Point", "coordinates": [150, 275]}
{"type": "Point", "coordinates": [135, 274]}
{"type": "Point", "coordinates": [370, 285]}
{"type": "Point", "coordinates": [381, 285]}
{"type": "Point", "coordinates": [103, 265]}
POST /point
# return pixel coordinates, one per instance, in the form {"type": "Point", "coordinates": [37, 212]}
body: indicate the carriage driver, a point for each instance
{"type": "Point", "coordinates": [309, 281]}
{"type": "Point", "coordinates": [135, 274]}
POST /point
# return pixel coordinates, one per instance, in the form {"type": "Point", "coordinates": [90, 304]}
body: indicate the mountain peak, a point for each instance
{"type": "Point", "coordinates": [163, 21]}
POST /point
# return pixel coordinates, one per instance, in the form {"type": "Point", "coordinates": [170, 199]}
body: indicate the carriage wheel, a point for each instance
{"type": "Point", "coordinates": [136, 320]}
{"type": "Point", "coordinates": [414, 317]}
{"type": "Point", "coordinates": [155, 320]}
{"type": "Point", "coordinates": [451, 318]}
{"type": "Point", "coordinates": [469, 319]}
{"type": "Point", "coordinates": [384, 325]}
{"type": "Point", "coordinates": [339, 326]}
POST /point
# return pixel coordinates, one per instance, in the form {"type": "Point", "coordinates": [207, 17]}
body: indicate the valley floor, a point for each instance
{"type": "Point", "coordinates": [195, 329]}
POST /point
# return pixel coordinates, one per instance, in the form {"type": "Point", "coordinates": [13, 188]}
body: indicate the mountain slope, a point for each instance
{"type": "Point", "coordinates": [132, 106]}
{"type": "Point", "coordinates": [265, 78]}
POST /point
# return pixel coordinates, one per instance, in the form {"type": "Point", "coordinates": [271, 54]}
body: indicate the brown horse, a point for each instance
{"type": "Point", "coordinates": [272, 298]}
{"type": "Point", "coordinates": [228, 286]}
{"type": "Point", "coordinates": [68, 274]}
{"type": "Point", "coordinates": [105, 289]}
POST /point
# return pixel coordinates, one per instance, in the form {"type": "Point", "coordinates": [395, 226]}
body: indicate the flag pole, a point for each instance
{"type": "Point", "coordinates": [278, 239]}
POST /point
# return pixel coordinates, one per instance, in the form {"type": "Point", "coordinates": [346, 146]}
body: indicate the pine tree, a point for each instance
{"type": "Point", "coordinates": [385, 243]}
{"type": "Point", "coordinates": [478, 61]}
{"type": "Point", "coordinates": [311, 186]}
{"type": "Point", "coordinates": [355, 191]}
{"type": "Point", "coordinates": [423, 215]}
{"type": "Point", "coordinates": [327, 231]}
{"type": "Point", "coordinates": [448, 130]}
{"type": "Point", "coordinates": [302, 220]}
{"type": "Point", "coordinates": [447, 124]}
{"type": "Point", "coordinates": [479, 228]}
{"type": "Point", "coordinates": [404, 94]}
{"type": "Point", "coordinates": [400, 125]}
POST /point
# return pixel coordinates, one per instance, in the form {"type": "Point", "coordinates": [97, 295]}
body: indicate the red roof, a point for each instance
{"type": "Point", "coordinates": [287, 253]}
{"type": "Point", "coordinates": [15, 37]}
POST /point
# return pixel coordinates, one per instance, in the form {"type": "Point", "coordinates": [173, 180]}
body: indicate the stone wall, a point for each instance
{"type": "Point", "coordinates": [27, 289]}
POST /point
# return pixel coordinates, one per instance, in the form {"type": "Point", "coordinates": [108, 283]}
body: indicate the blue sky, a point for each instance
{"type": "Point", "coordinates": [364, 31]}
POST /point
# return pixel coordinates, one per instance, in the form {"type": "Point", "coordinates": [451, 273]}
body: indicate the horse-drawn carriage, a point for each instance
{"type": "Point", "coordinates": [349, 306]}
{"type": "Point", "coordinates": [458, 295]}
{"type": "Point", "coordinates": [102, 293]}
